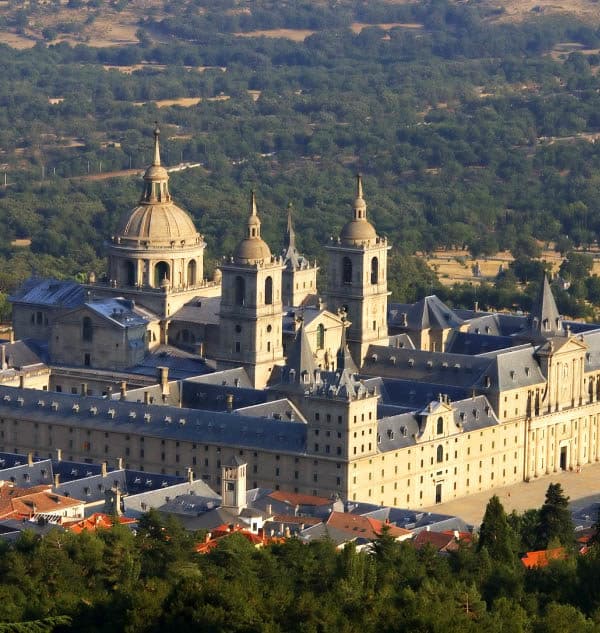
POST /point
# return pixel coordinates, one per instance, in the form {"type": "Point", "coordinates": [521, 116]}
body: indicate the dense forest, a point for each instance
{"type": "Point", "coordinates": [468, 131]}
{"type": "Point", "coordinates": [153, 580]}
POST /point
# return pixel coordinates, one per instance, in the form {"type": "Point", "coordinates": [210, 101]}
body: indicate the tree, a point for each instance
{"type": "Point", "coordinates": [555, 526]}
{"type": "Point", "coordinates": [495, 534]}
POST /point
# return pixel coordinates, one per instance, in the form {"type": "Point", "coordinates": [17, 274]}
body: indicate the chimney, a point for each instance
{"type": "Point", "coordinates": [56, 480]}
{"type": "Point", "coordinates": [21, 381]}
{"type": "Point", "coordinates": [3, 356]}
{"type": "Point", "coordinates": [190, 476]}
{"type": "Point", "coordinates": [11, 336]}
{"type": "Point", "coordinates": [201, 349]}
{"type": "Point", "coordinates": [119, 463]}
{"type": "Point", "coordinates": [123, 390]}
{"type": "Point", "coordinates": [146, 397]}
{"type": "Point", "coordinates": [477, 306]}
{"type": "Point", "coordinates": [229, 399]}
{"type": "Point", "coordinates": [30, 459]}
{"type": "Point", "coordinates": [163, 377]}
{"type": "Point", "coordinates": [269, 509]}
{"type": "Point", "coordinates": [59, 454]}
{"type": "Point", "coordinates": [104, 470]}
{"type": "Point", "coordinates": [84, 389]}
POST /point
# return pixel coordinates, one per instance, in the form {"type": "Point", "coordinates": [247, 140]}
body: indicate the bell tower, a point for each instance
{"type": "Point", "coordinates": [250, 324]}
{"type": "Point", "coordinates": [357, 280]}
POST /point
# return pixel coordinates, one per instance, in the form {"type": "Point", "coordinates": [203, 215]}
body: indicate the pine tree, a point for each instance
{"type": "Point", "coordinates": [495, 534]}
{"type": "Point", "coordinates": [555, 524]}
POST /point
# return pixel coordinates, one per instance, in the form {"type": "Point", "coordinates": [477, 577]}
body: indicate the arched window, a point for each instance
{"type": "Point", "coordinates": [347, 270]}
{"type": "Point", "coordinates": [130, 273]}
{"type": "Point", "coordinates": [440, 425]}
{"type": "Point", "coordinates": [161, 271]}
{"type": "Point", "coordinates": [440, 454]}
{"type": "Point", "coordinates": [374, 270]}
{"type": "Point", "coordinates": [269, 290]}
{"type": "Point", "coordinates": [191, 273]}
{"type": "Point", "coordinates": [320, 336]}
{"type": "Point", "coordinates": [87, 333]}
{"type": "Point", "coordinates": [240, 291]}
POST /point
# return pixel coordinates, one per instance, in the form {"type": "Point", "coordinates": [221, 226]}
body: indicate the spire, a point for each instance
{"type": "Point", "coordinates": [290, 235]}
{"type": "Point", "coordinates": [344, 358]}
{"type": "Point", "coordinates": [360, 206]}
{"type": "Point", "coordinates": [253, 220]}
{"type": "Point", "coordinates": [545, 318]}
{"type": "Point", "coordinates": [156, 160]}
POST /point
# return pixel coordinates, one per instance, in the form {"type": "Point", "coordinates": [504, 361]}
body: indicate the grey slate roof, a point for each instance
{"type": "Point", "coordinates": [181, 364]}
{"type": "Point", "coordinates": [430, 312]}
{"type": "Point", "coordinates": [281, 409]}
{"type": "Point", "coordinates": [474, 344]}
{"type": "Point", "coordinates": [40, 472]}
{"type": "Point", "coordinates": [120, 312]}
{"type": "Point", "coordinates": [208, 427]}
{"type": "Point", "coordinates": [200, 310]}
{"type": "Point", "coordinates": [400, 431]}
{"type": "Point", "coordinates": [236, 377]}
{"type": "Point", "coordinates": [50, 293]}
{"type": "Point", "coordinates": [544, 319]}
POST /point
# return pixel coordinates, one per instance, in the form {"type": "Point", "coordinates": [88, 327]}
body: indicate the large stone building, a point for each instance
{"type": "Point", "coordinates": [403, 405]}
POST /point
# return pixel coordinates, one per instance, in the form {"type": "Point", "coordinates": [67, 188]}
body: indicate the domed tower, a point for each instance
{"type": "Point", "coordinates": [250, 323]}
{"type": "Point", "coordinates": [357, 280]}
{"type": "Point", "coordinates": [157, 248]}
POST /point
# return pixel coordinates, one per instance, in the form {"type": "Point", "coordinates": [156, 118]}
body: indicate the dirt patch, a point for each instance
{"type": "Point", "coordinates": [21, 242]}
{"type": "Point", "coordinates": [357, 27]}
{"type": "Point", "coordinates": [19, 42]}
{"type": "Point", "coordinates": [184, 102]}
{"type": "Point", "coordinates": [296, 35]}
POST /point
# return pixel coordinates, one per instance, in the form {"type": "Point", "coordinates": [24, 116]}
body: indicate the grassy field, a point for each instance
{"type": "Point", "coordinates": [457, 266]}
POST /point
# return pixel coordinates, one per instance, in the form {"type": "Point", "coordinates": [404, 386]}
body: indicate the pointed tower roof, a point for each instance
{"type": "Point", "coordinates": [301, 359]}
{"type": "Point", "coordinates": [156, 221]}
{"type": "Point", "coordinates": [252, 247]}
{"type": "Point", "coordinates": [291, 257]}
{"type": "Point", "coordinates": [359, 229]}
{"type": "Point", "coordinates": [344, 358]}
{"type": "Point", "coordinates": [545, 320]}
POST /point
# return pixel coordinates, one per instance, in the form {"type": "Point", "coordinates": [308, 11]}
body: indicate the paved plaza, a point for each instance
{"type": "Point", "coordinates": [582, 487]}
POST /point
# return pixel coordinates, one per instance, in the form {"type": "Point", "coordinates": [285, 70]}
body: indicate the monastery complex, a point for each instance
{"type": "Point", "coordinates": [346, 396]}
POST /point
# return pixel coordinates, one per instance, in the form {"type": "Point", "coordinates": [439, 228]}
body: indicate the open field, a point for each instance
{"type": "Point", "coordinates": [519, 10]}
{"type": "Point", "coordinates": [295, 35]}
{"type": "Point", "coordinates": [457, 266]}
{"type": "Point", "coordinates": [184, 102]}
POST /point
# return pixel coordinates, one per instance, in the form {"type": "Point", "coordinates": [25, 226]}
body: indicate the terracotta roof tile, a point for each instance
{"type": "Point", "coordinates": [296, 499]}
{"type": "Point", "coordinates": [362, 527]}
{"type": "Point", "coordinates": [541, 558]}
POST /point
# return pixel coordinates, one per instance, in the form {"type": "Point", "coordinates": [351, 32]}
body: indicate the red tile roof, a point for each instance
{"type": "Point", "coordinates": [25, 503]}
{"type": "Point", "coordinates": [258, 540]}
{"type": "Point", "coordinates": [96, 521]}
{"type": "Point", "coordinates": [442, 541]}
{"type": "Point", "coordinates": [362, 527]}
{"type": "Point", "coordinates": [541, 558]}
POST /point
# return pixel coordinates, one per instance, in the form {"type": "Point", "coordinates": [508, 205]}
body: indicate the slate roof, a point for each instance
{"type": "Point", "coordinates": [121, 312]}
{"type": "Point", "coordinates": [181, 364]}
{"type": "Point", "coordinates": [413, 394]}
{"type": "Point", "coordinates": [281, 409]}
{"type": "Point", "coordinates": [208, 427]}
{"type": "Point", "coordinates": [21, 354]}
{"type": "Point", "coordinates": [473, 344]}
{"type": "Point", "coordinates": [236, 377]}
{"type": "Point", "coordinates": [49, 293]}
{"type": "Point", "coordinates": [544, 319]}
{"type": "Point", "coordinates": [428, 313]}
{"type": "Point", "coordinates": [200, 310]}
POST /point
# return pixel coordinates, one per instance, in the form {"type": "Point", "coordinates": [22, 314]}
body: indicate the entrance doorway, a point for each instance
{"type": "Point", "coordinates": [563, 458]}
{"type": "Point", "coordinates": [438, 493]}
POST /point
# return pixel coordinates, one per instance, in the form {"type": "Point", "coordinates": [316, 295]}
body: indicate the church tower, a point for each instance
{"type": "Point", "coordinates": [233, 485]}
{"type": "Point", "coordinates": [299, 275]}
{"type": "Point", "coordinates": [357, 280]}
{"type": "Point", "coordinates": [156, 255]}
{"type": "Point", "coordinates": [250, 325]}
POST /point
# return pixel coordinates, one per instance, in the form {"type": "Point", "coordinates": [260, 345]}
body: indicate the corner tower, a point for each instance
{"type": "Point", "coordinates": [250, 324]}
{"type": "Point", "coordinates": [357, 280]}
